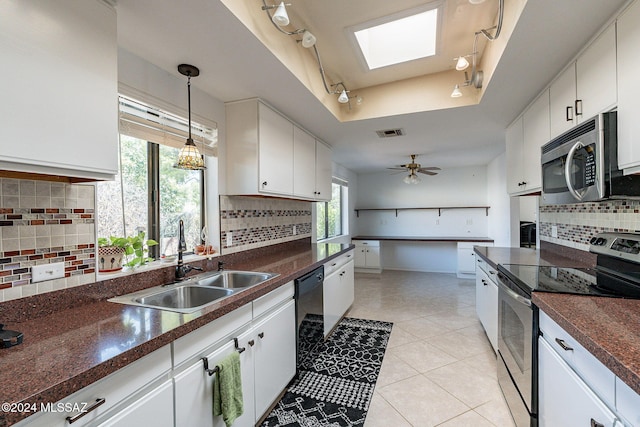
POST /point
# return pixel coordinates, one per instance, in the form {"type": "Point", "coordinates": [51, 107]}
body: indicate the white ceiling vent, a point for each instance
{"type": "Point", "coordinates": [390, 133]}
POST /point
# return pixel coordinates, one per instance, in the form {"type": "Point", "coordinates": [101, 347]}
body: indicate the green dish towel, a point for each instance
{"type": "Point", "coordinates": [227, 389]}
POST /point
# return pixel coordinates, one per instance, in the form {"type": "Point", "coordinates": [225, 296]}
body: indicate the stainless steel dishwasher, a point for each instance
{"type": "Point", "coordinates": [309, 314]}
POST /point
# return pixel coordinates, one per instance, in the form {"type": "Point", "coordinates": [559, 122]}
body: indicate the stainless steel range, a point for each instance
{"type": "Point", "coordinates": [617, 274]}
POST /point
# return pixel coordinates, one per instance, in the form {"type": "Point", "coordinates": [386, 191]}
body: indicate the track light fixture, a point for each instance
{"type": "Point", "coordinates": [308, 41]}
{"type": "Point", "coordinates": [477, 75]}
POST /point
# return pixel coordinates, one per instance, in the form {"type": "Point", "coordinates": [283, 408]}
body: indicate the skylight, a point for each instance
{"type": "Point", "coordinates": [400, 40]}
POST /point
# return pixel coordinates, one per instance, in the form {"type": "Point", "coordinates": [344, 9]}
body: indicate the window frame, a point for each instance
{"type": "Point", "coordinates": [343, 217]}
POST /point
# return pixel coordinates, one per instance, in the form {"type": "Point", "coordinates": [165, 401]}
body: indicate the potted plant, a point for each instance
{"type": "Point", "coordinates": [116, 252]}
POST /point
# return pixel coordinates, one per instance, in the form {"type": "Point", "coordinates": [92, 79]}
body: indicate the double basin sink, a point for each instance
{"type": "Point", "coordinates": [196, 292]}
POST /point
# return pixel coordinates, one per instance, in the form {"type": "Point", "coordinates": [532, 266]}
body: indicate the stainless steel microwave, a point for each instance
{"type": "Point", "coordinates": [581, 165]}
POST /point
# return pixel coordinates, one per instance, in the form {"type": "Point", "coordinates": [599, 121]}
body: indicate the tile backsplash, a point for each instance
{"type": "Point", "coordinates": [577, 223]}
{"type": "Point", "coordinates": [256, 222]}
{"type": "Point", "coordinates": [44, 222]}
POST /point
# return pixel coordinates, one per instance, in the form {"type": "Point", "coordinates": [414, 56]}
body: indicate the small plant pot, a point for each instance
{"type": "Point", "coordinates": [110, 258]}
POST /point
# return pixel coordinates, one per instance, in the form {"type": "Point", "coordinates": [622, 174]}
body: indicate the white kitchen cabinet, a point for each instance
{"type": "Point", "coordinates": [487, 301]}
{"type": "Point", "coordinates": [627, 404]}
{"type": "Point", "coordinates": [524, 138]}
{"type": "Point", "coordinates": [125, 387]}
{"type": "Point", "coordinates": [274, 355]}
{"type": "Point", "coordinates": [268, 155]}
{"type": "Point", "coordinates": [628, 89]}
{"type": "Point", "coordinates": [587, 87]}
{"type": "Point", "coordinates": [564, 399]}
{"type": "Point", "coordinates": [466, 259]}
{"type": "Point", "coordinates": [59, 88]}
{"type": "Point", "coordinates": [324, 172]}
{"type": "Point", "coordinates": [367, 256]}
{"type": "Point", "coordinates": [338, 295]}
{"type": "Point", "coordinates": [156, 405]}
{"type": "Point", "coordinates": [194, 389]}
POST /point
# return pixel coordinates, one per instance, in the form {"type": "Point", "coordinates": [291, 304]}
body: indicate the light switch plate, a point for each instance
{"type": "Point", "coordinates": [40, 273]}
{"type": "Point", "coordinates": [229, 238]}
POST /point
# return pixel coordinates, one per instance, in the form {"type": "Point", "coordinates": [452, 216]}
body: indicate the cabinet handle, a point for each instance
{"type": "Point", "coordinates": [492, 272]}
{"type": "Point", "coordinates": [484, 282]}
{"type": "Point", "coordinates": [251, 343]}
{"type": "Point", "coordinates": [261, 335]}
{"type": "Point", "coordinates": [564, 345]}
{"type": "Point", "coordinates": [594, 423]}
{"type": "Point", "coordinates": [578, 105]}
{"type": "Point", "coordinates": [479, 260]}
{"type": "Point", "coordinates": [98, 402]}
{"type": "Point", "coordinates": [569, 110]}
{"type": "Point", "coordinates": [264, 184]}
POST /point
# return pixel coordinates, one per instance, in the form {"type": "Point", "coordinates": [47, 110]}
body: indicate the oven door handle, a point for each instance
{"type": "Point", "coordinates": [567, 171]}
{"type": "Point", "coordinates": [521, 299]}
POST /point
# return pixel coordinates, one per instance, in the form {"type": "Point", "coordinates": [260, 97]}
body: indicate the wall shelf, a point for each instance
{"type": "Point", "coordinates": [439, 209]}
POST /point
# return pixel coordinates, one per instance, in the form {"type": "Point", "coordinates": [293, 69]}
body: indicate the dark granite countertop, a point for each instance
{"type": "Point", "coordinates": [71, 346]}
{"type": "Point", "coordinates": [426, 238]}
{"type": "Point", "coordinates": [606, 327]}
{"type": "Point", "coordinates": [609, 328]}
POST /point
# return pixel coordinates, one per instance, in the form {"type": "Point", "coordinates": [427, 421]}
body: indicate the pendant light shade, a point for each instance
{"type": "Point", "coordinates": [462, 64]}
{"type": "Point", "coordinates": [343, 98]}
{"type": "Point", "coordinates": [189, 157]}
{"type": "Point", "coordinates": [456, 92]}
{"type": "Point", "coordinates": [308, 39]}
{"type": "Point", "coordinates": [281, 18]}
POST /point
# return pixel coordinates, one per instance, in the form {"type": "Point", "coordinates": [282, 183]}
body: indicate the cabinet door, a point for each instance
{"type": "Point", "coordinates": [361, 256]}
{"type": "Point", "coordinates": [628, 88]}
{"type": "Point", "coordinates": [562, 96]}
{"type": "Point", "coordinates": [275, 356]}
{"type": "Point", "coordinates": [304, 164]}
{"type": "Point", "coordinates": [275, 152]}
{"type": "Point", "coordinates": [481, 294]}
{"type": "Point", "coordinates": [596, 76]}
{"type": "Point", "coordinates": [63, 102]}
{"type": "Point", "coordinates": [513, 139]}
{"type": "Point", "coordinates": [491, 313]}
{"type": "Point", "coordinates": [331, 301]}
{"type": "Point", "coordinates": [466, 258]}
{"type": "Point", "coordinates": [194, 390]}
{"type": "Point", "coordinates": [156, 405]}
{"type": "Point", "coordinates": [347, 291]}
{"type": "Point", "coordinates": [372, 257]}
{"type": "Point", "coordinates": [564, 399]}
{"type": "Point", "coordinates": [535, 129]}
{"type": "Point", "coordinates": [323, 172]}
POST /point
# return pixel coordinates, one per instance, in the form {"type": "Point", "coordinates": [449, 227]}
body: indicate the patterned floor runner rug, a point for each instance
{"type": "Point", "coordinates": [336, 378]}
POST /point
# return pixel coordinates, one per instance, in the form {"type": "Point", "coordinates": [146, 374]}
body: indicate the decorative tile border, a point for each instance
{"type": "Point", "coordinates": [12, 217]}
{"type": "Point", "coordinates": [259, 222]}
{"type": "Point", "coordinates": [577, 223]}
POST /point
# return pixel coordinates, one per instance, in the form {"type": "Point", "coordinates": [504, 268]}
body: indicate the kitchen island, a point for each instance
{"type": "Point", "coordinates": [75, 337]}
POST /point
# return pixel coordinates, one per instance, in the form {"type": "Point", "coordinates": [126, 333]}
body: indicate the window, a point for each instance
{"type": "Point", "coordinates": [149, 194]}
{"type": "Point", "coordinates": [398, 40]}
{"type": "Point", "coordinates": [329, 215]}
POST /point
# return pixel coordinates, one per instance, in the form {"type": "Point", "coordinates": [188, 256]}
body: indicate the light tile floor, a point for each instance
{"type": "Point", "coordinates": [439, 368]}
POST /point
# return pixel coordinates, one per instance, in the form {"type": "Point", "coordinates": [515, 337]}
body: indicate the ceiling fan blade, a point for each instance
{"type": "Point", "coordinates": [399, 168]}
{"type": "Point", "coordinates": [431, 168]}
{"type": "Point", "coordinates": [428, 172]}
{"type": "Point", "coordinates": [398, 172]}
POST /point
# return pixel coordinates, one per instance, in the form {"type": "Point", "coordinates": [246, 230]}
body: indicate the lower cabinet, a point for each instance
{"type": "Point", "coordinates": [267, 348]}
{"type": "Point", "coordinates": [156, 405]}
{"type": "Point", "coordinates": [367, 256]}
{"type": "Point", "coordinates": [487, 302]}
{"type": "Point", "coordinates": [564, 399]}
{"type": "Point", "coordinates": [338, 295]}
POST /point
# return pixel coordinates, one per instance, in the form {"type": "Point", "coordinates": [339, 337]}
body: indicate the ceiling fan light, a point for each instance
{"type": "Point", "coordinates": [462, 64]}
{"type": "Point", "coordinates": [407, 179]}
{"type": "Point", "coordinates": [343, 98]}
{"type": "Point", "coordinates": [308, 39]}
{"type": "Point", "coordinates": [281, 18]}
{"type": "Point", "coordinates": [456, 92]}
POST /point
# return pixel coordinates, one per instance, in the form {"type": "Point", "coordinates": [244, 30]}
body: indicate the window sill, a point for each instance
{"type": "Point", "coordinates": [154, 265]}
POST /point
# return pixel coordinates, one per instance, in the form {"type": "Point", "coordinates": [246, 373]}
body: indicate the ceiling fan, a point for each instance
{"type": "Point", "coordinates": [413, 168]}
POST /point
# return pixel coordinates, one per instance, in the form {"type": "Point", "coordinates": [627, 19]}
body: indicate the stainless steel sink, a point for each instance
{"type": "Point", "coordinates": [182, 298]}
{"type": "Point", "coordinates": [230, 279]}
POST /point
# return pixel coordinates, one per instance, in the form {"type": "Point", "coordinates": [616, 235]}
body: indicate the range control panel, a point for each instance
{"type": "Point", "coordinates": [618, 245]}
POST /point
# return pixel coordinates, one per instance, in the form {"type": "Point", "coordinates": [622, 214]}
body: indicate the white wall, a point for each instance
{"type": "Point", "coordinates": [169, 92]}
{"type": "Point", "coordinates": [499, 227]}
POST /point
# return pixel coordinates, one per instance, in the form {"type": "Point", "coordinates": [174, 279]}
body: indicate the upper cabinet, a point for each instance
{"type": "Point", "coordinates": [268, 155]}
{"type": "Point", "coordinates": [524, 138]}
{"type": "Point", "coordinates": [629, 93]}
{"type": "Point", "coordinates": [59, 85]}
{"type": "Point", "coordinates": [587, 87]}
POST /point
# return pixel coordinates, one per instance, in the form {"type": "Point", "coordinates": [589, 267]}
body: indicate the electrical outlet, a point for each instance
{"type": "Point", "coordinates": [295, 230]}
{"type": "Point", "coordinates": [229, 238]}
{"type": "Point", "coordinates": [40, 273]}
{"type": "Point", "coordinates": [554, 231]}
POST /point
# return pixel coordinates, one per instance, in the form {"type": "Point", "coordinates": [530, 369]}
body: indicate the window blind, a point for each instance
{"type": "Point", "coordinates": [153, 124]}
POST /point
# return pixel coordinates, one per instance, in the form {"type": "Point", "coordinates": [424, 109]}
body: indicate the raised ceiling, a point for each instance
{"type": "Point", "coordinates": [236, 64]}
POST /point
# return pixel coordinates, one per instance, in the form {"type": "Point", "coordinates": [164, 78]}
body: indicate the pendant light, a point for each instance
{"type": "Point", "coordinates": [189, 157]}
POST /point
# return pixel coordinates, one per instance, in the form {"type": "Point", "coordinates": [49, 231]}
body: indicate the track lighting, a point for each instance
{"type": "Point", "coordinates": [280, 17]}
{"type": "Point", "coordinates": [343, 98]}
{"type": "Point", "coordinates": [308, 39]}
{"type": "Point", "coordinates": [456, 92]}
{"type": "Point", "coordinates": [462, 64]}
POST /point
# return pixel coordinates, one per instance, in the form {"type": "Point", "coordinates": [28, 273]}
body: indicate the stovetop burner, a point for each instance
{"type": "Point", "coordinates": [617, 272]}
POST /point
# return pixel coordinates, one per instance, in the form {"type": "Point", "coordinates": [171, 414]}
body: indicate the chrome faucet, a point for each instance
{"type": "Point", "coordinates": [181, 268]}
